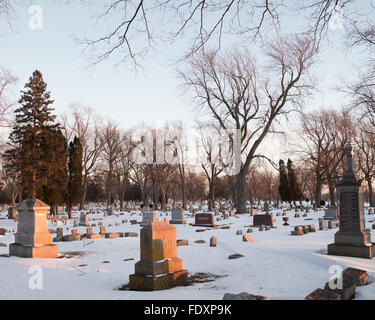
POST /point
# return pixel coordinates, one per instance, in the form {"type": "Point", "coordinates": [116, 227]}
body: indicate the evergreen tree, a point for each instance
{"type": "Point", "coordinates": [284, 190]}
{"type": "Point", "coordinates": [33, 121]}
{"type": "Point", "coordinates": [75, 174]}
{"type": "Point", "coordinates": [294, 187]}
{"type": "Point", "coordinates": [54, 169]}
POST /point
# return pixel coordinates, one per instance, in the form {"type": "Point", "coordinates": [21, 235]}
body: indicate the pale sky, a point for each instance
{"type": "Point", "coordinates": [150, 95]}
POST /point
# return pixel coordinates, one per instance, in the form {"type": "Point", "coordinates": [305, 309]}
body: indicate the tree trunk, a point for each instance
{"type": "Point", "coordinates": [370, 200]}
{"type": "Point", "coordinates": [163, 196]}
{"type": "Point", "coordinates": [318, 190]}
{"type": "Point", "coordinates": [33, 193]}
{"type": "Point", "coordinates": [84, 191]}
{"type": "Point", "coordinates": [251, 197]}
{"type": "Point", "coordinates": [331, 187]}
{"type": "Point", "coordinates": [184, 204]}
{"type": "Point", "coordinates": [240, 192]}
{"type": "Point", "coordinates": [70, 212]}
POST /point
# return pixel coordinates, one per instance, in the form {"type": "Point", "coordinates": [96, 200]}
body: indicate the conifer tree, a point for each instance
{"type": "Point", "coordinates": [75, 174]}
{"type": "Point", "coordinates": [284, 190]}
{"type": "Point", "coordinates": [34, 120]}
{"type": "Point", "coordinates": [54, 169]}
{"type": "Point", "coordinates": [294, 187]}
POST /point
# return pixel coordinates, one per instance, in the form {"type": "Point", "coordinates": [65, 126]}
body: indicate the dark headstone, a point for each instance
{"type": "Point", "coordinates": [262, 219]}
{"type": "Point", "coordinates": [243, 296]}
{"type": "Point", "coordinates": [351, 239]}
{"type": "Point", "coordinates": [358, 276]}
{"type": "Point", "coordinates": [347, 292]}
{"type": "Point", "coordinates": [320, 294]}
{"type": "Point", "coordinates": [204, 220]}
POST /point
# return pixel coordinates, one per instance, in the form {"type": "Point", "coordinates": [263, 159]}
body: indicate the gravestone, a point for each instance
{"type": "Point", "coordinates": [12, 213]}
{"type": "Point", "coordinates": [266, 206]}
{"type": "Point", "coordinates": [323, 224]}
{"type": "Point", "coordinates": [178, 216]}
{"type": "Point", "coordinates": [84, 220]}
{"type": "Point", "coordinates": [351, 239]}
{"type": "Point", "coordinates": [262, 219]}
{"type": "Point", "coordinates": [147, 217]}
{"type": "Point", "coordinates": [32, 239]}
{"type": "Point", "coordinates": [204, 220]}
{"type": "Point", "coordinates": [330, 213]}
{"type": "Point", "coordinates": [159, 267]}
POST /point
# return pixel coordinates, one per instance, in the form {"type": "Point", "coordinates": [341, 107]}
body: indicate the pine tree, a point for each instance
{"type": "Point", "coordinates": [294, 187]}
{"type": "Point", "coordinates": [33, 121]}
{"type": "Point", "coordinates": [75, 174]}
{"type": "Point", "coordinates": [54, 169]}
{"type": "Point", "coordinates": [284, 190]}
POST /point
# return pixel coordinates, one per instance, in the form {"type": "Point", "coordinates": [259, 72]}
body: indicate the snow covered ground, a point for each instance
{"type": "Point", "coordinates": [276, 264]}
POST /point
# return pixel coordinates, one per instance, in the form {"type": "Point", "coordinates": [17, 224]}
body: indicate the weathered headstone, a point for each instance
{"type": "Point", "coordinates": [213, 241]}
{"type": "Point", "coordinates": [358, 276]}
{"type": "Point", "coordinates": [330, 213]}
{"type": "Point", "coordinates": [321, 294]}
{"type": "Point", "coordinates": [84, 220]}
{"type": "Point", "coordinates": [33, 239]}
{"type": "Point", "coordinates": [351, 239]}
{"type": "Point", "coordinates": [323, 224]}
{"type": "Point", "coordinates": [178, 216]}
{"type": "Point", "coordinates": [148, 217]}
{"type": "Point", "coordinates": [159, 267]}
{"type": "Point", "coordinates": [247, 238]}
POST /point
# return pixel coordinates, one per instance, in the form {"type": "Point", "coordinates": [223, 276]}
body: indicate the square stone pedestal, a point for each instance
{"type": "Point", "coordinates": [159, 267]}
{"type": "Point", "coordinates": [43, 251]}
{"type": "Point", "coordinates": [365, 251]}
{"type": "Point", "coordinates": [33, 239]}
{"type": "Point", "coordinates": [158, 282]}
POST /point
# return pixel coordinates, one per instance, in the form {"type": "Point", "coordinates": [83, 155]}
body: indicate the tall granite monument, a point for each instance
{"type": "Point", "coordinates": [33, 239]}
{"type": "Point", "coordinates": [351, 239]}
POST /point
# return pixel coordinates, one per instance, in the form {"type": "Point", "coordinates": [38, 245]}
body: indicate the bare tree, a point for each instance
{"type": "Point", "coordinates": [324, 135]}
{"type": "Point", "coordinates": [7, 83]}
{"type": "Point", "coordinates": [204, 21]}
{"type": "Point", "coordinates": [111, 141]}
{"type": "Point", "coordinates": [365, 158]}
{"type": "Point", "coordinates": [87, 126]}
{"type": "Point", "coordinates": [7, 9]}
{"type": "Point", "coordinates": [180, 143]}
{"type": "Point", "coordinates": [124, 164]}
{"type": "Point", "coordinates": [209, 151]}
{"type": "Point", "coordinates": [238, 96]}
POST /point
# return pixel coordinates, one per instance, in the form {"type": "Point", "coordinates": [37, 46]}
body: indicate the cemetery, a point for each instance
{"type": "Point", "coordinates": [187, 150]}
{"type": "Point", "coordinates": [272, 265]}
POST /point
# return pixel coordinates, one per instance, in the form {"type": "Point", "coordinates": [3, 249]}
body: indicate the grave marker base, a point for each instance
{"type": "Point", "coordinates": [44, 251]}
{"type": "Point", "coordinates": [177, 222]}
{"type": "Point", "coordinates": [160, 282]}
{"type": "Point", "coordinates": [366, 252]}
